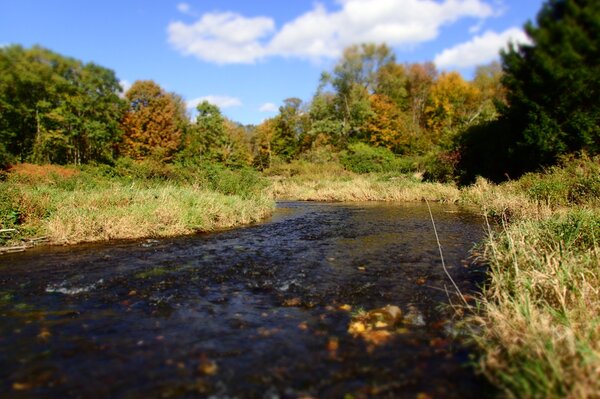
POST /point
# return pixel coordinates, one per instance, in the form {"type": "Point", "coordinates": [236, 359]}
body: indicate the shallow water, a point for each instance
{"type": "Point", "coordinates": [257, 312]}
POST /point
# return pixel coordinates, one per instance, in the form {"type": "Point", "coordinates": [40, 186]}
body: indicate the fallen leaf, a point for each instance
{"type": "Point", "coordinates": [303, 326]}
{"type": "Point", "coordinates": [333, 344]}
{"type": "Point", "coordinates": [292, 302]}
{"type": "Point", "coordinates": [345, 307]}
{"type": "Point", "coordinates": [356, 327]}
{"type": "Point", "coordinates": [44, 334]}
{"type": "Point", "coordinates": [21, 386]}
{"type": "Point", "coordinates": [207, 366]}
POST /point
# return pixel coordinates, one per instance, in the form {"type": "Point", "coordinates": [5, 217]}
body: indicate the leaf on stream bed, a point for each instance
{"type": "Point", "coordinates": [377, 326]}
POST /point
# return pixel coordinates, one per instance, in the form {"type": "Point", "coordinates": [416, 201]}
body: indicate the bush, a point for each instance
{"type": "Point", "coordinates": [362, 158]}
{"type": "Point", "coordinates": [441, 166]}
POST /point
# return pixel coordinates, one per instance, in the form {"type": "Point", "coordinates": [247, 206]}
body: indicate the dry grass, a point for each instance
{"type": "Point", "coordinates": [120, 212]}
{"type": "Point", "coordinates": [87, 205]}
{"type": "Point", "coordinates": [539, 325]}
{"type": "Point", "coordinates": [330, 184]}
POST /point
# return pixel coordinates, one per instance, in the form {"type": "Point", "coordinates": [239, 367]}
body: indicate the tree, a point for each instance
{"type": "Point", "coordinates": [553, 84]}
{"type": "Point", "coordinates": [206, 138]}
{"type": "Point", "coordinates": [153, 123]}
{"type": "Point", "coordinates": [420, 79]}
{"type": "Point", "coordinates": [263, 143]}
{"type": "Point", "coordinates": [453, 105]}
{"type": "Point", "coordinates": [488, 80]}
{"type": "Point", "coordinates": [57, 109]}
{"type": "Point", "coordinates": [354, 79]}
{"type": "Point", "coordinates": [386, 126]}
{"type": "Point", "coordinates": [288, 128]}
{"type": "Point", "coordinates": [392, 81]}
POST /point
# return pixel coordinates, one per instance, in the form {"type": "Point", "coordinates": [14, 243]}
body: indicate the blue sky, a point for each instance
{"type": "Point", "coordinates": [248, 56]}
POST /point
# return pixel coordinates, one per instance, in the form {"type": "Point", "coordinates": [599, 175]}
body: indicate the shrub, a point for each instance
{"type": "Point", "coordinates": [362, 158]}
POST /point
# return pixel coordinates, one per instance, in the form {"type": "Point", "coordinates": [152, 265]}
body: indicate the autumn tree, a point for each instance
{"type": "Point", "coordinates": [453, 105]}
{"type": "Point", "coordinates": [289, 125]}
{"type": "Point", "coordinates": [262, 143]}
{"type": "Point", "coordinates": [386, 126]}
{"type": "Point", "coordinates": [237, 150]}
{"type": "Point", "coordinates": [392, 82]}
{"type": "Point", "coordinates": [420, 79]}
{"type": "Point", "coordinates": [354, 79]}
{"type": "Point", "coordinates": [488, 80]}
{"type": "Point", "coordinates": [323, 126]}
{"type": "Point", "coordinates": [154, 123]}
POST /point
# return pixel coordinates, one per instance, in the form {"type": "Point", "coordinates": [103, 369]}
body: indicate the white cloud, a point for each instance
{"type": "Point", "coordinates": [219, 101]}
{"type": "Point", "coordinates": [183, 8]}
{"type": "Point", "coordinates": [222, 38]}
{"type": "Point", "coordinates": [268, 107]}
{"type": "Point", "coordinates": [125, 85]}
{"type": "Point", "coordinates": [320, 33]}
{"type": "Point", "coordinates": [480, 49]}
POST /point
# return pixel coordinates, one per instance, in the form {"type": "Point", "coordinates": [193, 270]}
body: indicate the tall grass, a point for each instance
{"type": "Point", "coordinates": [127, 201]}
{"type": "Point", "coordinates": [331, 182]}
{"type": "Point", "coordinates": [539, 325]}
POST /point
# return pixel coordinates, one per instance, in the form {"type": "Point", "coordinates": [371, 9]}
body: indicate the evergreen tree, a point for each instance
{"type": "Point", "coordinates": [553, 84]}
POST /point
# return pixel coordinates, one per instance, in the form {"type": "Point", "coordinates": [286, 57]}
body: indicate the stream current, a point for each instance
{"type": "Point", "coordinates": [256, 312]}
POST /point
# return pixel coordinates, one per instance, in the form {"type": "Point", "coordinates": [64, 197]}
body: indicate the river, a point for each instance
{"type": "Point", "coordinates": [257, 312]}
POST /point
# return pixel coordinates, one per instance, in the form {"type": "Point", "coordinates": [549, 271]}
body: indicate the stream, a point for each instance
{"type": "Point", "coordinates": [273, 310]}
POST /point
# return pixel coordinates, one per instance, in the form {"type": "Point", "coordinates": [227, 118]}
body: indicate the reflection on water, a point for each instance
{"type": "Point", "coordinates": [259, 312]}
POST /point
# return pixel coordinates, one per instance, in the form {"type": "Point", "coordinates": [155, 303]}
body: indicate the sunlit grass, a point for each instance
{"type": "Point", "coordinates": [90, 206]}
{"type": "Point", "coordinates": [539, 319]}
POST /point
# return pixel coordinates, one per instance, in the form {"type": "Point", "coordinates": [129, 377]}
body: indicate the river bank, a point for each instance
{"type": "Point", "coordinates": [67, 205]}
{"type": "Point", "coordinates": [536, 321]}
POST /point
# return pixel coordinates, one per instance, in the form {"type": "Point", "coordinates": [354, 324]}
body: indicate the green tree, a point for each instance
{"type": "Point", "coordinates": [57, 109]}
{"type": "Point", "coordinates": [553, 84]}
{"type": "Point", "coordinates": [289, 126]}
{"type": "Point", "coordinates": [354, 79]}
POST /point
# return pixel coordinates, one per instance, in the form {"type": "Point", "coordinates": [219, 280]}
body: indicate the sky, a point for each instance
{"type": "Point", "coordinates": [247, 56]}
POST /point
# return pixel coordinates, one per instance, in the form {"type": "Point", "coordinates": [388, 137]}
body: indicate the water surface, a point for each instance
{"type": "Point", "coordinates": [257, 312]}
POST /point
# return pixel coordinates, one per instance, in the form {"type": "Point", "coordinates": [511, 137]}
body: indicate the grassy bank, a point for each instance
{"type": "Point", "coordinates": [331, 182]}
{"type": "Point", "coordinates": [539, 319]}
{"type": "Point", "coordinates": [70, 205]}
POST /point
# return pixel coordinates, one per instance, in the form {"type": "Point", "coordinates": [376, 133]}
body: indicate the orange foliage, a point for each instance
{"type": "Point", "coordinates": [453, 103]}
{"type": "Point", "coordinates": [386, 126]}
{"type": "Point", "coordinates": [41, 171]}
{"type": "Point", "coordinates": [152, 126]}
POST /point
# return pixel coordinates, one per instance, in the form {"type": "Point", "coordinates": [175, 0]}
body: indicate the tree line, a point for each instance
{"type": "Point", "coordinates": [538, 104]}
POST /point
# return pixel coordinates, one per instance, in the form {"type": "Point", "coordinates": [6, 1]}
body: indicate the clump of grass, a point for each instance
{"type": "Point", "coordinates": [331, 182]}
{"type": "Point", "coordinates": [101, 203]}
{"type": "Point", "coordinates": [539, 325]}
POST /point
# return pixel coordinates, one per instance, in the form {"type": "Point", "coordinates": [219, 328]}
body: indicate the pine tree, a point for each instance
{"type": "Point", "coordinates": [553, 84]}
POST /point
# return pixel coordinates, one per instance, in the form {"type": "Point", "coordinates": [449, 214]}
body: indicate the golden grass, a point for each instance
{"type": "Point", "coordinates": [87, 206]}
{"type": "Point", "coordinates": [120, 212]}
{"type": "Point", "coordinates": [539, 319]}
{"type": "Point", "coordinates": [351, 187]}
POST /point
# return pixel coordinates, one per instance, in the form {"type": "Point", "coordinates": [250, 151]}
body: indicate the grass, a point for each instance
{"type": "Point", "coordinates": [71, 205]}
{"type": "Point", "coordinates": [331, 182]}
{"type": "Point", "coordinates": [538, 323]}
